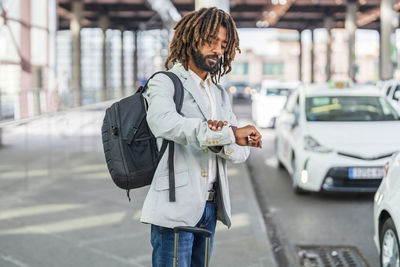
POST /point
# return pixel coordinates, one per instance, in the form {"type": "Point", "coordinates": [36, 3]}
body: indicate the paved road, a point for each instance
{"type": "Point", "coordinates": [58, 206]}
{"type": "Point", "coordinates": [315, 219]}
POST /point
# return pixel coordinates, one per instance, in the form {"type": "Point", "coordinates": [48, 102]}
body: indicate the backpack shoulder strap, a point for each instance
{"type": "Point", "coordinates": [178, 99]}
{"type": "Point", "coordinates": [178, 94]}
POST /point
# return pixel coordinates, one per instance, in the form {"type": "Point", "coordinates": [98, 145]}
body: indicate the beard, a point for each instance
{"type": "Point", "coordinates": [203, 62]}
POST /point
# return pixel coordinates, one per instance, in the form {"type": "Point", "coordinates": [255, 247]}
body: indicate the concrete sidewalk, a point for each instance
{"type": "Point", "coordinates": [59, 207]}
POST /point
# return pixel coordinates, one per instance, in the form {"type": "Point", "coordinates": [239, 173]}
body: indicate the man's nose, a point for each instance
{"type": "Point", "coordinates": [218, 50]}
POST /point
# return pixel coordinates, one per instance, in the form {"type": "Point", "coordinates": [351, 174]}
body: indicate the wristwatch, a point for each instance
{"type": "Point", "coordinates": [234, 128]}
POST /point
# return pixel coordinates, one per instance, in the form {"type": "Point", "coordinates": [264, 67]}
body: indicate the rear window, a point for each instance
{"type": "Point", "coordinates": [349, 108]}
{"type": "Point", "coordinates": [277, 92]}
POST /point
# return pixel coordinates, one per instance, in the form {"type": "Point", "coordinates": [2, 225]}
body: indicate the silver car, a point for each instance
{"type": "Point", "coordinates": [387, 214]}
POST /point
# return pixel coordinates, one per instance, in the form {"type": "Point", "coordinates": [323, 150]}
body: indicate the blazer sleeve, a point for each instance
{"type": "Point", "coordinates": [165, 122]}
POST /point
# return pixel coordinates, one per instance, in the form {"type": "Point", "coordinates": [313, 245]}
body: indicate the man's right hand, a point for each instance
{"type": "Point", "coordinates": [248, 136]}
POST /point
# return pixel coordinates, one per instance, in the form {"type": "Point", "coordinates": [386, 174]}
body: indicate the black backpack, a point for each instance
{"type": "Point", "coordinates": [130, 147]}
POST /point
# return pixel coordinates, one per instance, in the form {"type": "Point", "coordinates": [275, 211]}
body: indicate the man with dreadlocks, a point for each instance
{"type": "Point", "coordinates": [205, 136]}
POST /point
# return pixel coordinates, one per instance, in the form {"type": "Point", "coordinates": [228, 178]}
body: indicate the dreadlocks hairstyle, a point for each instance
{"type": "Point", "coordinates": [196, 29]}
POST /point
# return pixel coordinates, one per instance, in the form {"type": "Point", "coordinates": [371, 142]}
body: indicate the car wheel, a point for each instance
{"type": "Point", "coordinates": [389, 243]}
{"type": "Point", "coordinates": [296, 188]}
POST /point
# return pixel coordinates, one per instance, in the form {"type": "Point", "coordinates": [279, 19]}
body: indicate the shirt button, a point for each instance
{"type": "Point", "coordinates": [228, 152]}
{"type": "Point", "coordinates": [205, 150]}
{"type": "Point", "coordinates": [204, 174]}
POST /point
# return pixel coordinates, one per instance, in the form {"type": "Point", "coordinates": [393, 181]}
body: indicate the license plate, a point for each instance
{"type": "Point", "coordinates": [365, 173]}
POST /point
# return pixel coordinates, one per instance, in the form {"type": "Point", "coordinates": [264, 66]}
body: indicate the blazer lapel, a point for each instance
{"type": "Point", "coordinates": [218, 101]}
{"type": "Point", "coordinates": [193, 89]}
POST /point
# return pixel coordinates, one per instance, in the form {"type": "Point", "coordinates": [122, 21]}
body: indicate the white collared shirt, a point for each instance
{"type": "Point", "coordinates": [208, 88]}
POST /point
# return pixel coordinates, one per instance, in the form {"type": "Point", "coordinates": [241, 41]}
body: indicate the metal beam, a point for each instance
{"type": "Point", "coordinates": [222, 4]}
{"type": "Point", "coordinates": [167, 11]}
{"type": "Point", "coordinates": [274, 13]}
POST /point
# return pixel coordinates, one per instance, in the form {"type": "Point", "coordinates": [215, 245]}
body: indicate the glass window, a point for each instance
{"type": "Point", "coordinates": [292, 100]}
{"type": "Point", "coordinates": [277, 91]}
{"type": "Point", "coordinates": [273, 68]}
{"type": "Point", "coordinates": [240, 68]}
{"type": "Point", "coordinates": [397, 98]}
{"type": "Point", "coordinates": [349, 108]}
{"type": "Point", "coordinates": [388, 90]}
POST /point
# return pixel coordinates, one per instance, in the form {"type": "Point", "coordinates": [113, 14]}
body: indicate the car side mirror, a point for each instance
{"type": "Point", "coordinates": [290, 119]}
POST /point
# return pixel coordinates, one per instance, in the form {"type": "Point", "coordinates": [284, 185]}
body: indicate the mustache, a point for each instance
{"type": "Point", "coordinates": [215, 57]}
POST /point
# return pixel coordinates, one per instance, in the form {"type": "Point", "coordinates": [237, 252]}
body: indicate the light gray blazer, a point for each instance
{"type": "Point", "coordinates": [192, 138]}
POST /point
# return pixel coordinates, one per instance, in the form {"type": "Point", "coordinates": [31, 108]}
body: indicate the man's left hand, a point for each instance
{"type": "Point", "coordinates": [216, 125]}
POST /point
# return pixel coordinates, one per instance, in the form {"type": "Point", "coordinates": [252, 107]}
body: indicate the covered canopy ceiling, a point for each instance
{"type": "Point", "coordinates": [287, 14]}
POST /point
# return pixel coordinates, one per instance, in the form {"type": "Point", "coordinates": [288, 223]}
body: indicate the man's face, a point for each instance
{"type": "Point", "coordinates": [208, 57]}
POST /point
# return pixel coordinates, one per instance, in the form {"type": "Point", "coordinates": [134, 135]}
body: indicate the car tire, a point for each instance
{"type": "Point", "coordinates": [389, 240]}
{"type": "Point", "coordinates": [299, 191]}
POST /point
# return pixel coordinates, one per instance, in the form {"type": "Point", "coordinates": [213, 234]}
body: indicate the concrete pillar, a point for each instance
{"type": "Point", "coordinates": [122, 89]}
{"type": "Point", "coordinates": [300, 58]}
{"type": "Point", "coordinates": [103, 23]}
{"type": "Point", "coordinates": [351, 26]}
{"type": "Point", "coordinates": [135, 61]}
{"type": "Point", "coordinates": [25, 49]}
{"type": "Point", "coordinates": [1, 118]}
{"type": "Point", "coordinates": [328, 24]}
{"type": "Point", "coordinates": [312, 56]}
{"type": "Point", "coordinates": [385, 62]}
{"type": "Point", "coordinates": [75, 27]}
{"type": "Point", "coordinates": [51, 86]}
{"type": "Point", "coordinates": [221, 4]}
{"type": "Point", "coordinates": [37, 88]}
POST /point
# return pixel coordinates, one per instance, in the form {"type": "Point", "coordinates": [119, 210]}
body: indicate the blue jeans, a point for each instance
{"type": "Point", "coordinates": [191, 247]}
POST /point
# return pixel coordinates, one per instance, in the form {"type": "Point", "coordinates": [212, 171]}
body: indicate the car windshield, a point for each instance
{"type": "Point", "coordinates": [349, 108]}
{"type": "Point", "coordinates": [277, 92]}
{"type": "Point", "coordinates": [240, 85]}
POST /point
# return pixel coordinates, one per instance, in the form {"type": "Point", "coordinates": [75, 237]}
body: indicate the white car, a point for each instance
{"type": "Point", "coordinates": [337, 139]}
{"type": "Point", "coordinates": [391, 88]}
{"type": "Point", "coordinates": [387, 215]}
{"type": "Point", "coordinates": [269, 101]}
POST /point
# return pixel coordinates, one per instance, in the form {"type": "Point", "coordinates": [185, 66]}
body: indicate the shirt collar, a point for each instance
{"type": "Point", "coordinates": [198, 80]}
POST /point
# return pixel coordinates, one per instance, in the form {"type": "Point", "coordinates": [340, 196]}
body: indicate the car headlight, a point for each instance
{"type": "Point", "coordinates": [311, 144]}
{"type": "Point", "coordinates": [378, 197]}
{"type": "Point", "coordinates": [232, 89]}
